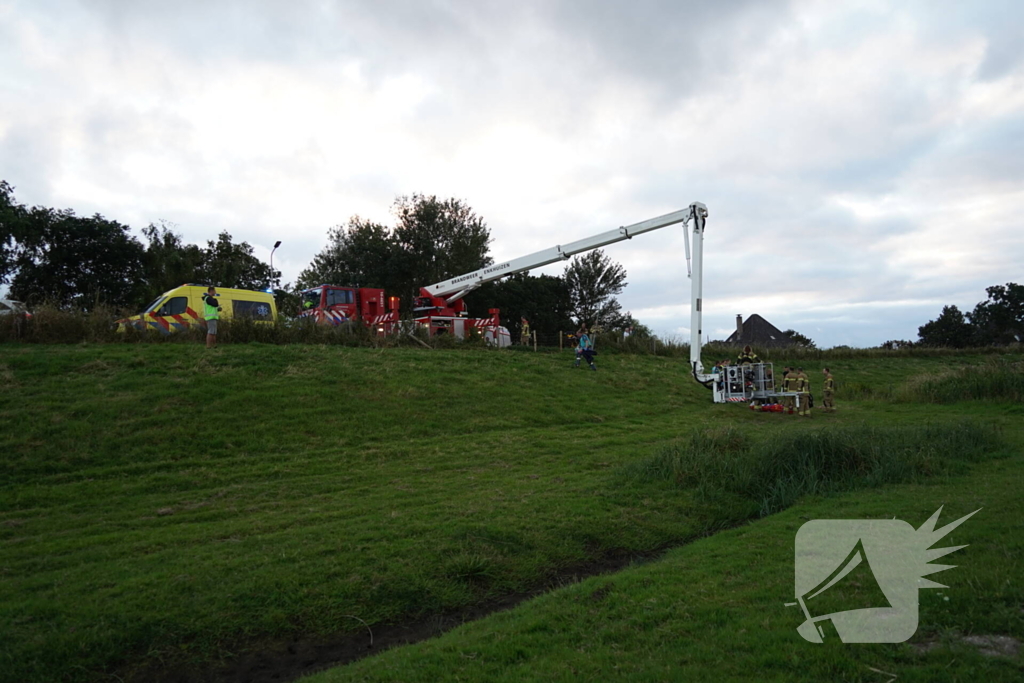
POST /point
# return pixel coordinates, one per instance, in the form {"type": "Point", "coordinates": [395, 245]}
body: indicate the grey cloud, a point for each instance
{"type": "Point", "coordinates": [673, 46]}
{"type": "Point", "coordinates": [997, 21]}
{"type": "Point", "coordinates": [988, 154]}
{"type": "Point", "coordinates": [29, 156]}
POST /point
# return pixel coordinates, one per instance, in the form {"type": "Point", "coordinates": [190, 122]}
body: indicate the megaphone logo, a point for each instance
{"type": "Point", "coordinates": [858, 579]}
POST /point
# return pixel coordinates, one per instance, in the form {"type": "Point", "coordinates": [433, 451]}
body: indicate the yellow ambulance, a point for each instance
{"type": "Point", "coordinates": [182, 307]}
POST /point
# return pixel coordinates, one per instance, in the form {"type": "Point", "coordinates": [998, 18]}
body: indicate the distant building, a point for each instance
{"type": "Point", "coordinates": [757, 331]}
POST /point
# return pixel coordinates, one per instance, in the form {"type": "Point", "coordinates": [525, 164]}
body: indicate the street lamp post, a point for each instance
{"type": "Point", "coordinates": [276, 245]}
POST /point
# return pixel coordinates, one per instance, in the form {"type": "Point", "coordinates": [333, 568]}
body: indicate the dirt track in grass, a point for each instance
{"type": "Point", "coordinates": [294, 658]}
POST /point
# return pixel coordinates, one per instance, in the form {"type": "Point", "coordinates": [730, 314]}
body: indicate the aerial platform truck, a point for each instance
{"type": "Point", "coordinates": [440, 308]}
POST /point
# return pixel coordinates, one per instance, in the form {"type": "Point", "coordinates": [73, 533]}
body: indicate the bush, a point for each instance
{"type": "Point", "coordinates": [640, 344]}
{"type": "Point", "coordinates": [992, 381]}
{"type": "Point", "coordinates": [53, 325]}
{"type": "Point", "coordinates": [771, 475]}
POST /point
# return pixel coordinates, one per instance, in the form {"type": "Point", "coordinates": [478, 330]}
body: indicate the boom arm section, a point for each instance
{"type": "Point", "coordinates": [458, 287]}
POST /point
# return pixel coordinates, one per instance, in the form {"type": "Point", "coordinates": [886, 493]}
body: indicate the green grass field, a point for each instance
{"type": "Point", "coordinates": [166, 509]}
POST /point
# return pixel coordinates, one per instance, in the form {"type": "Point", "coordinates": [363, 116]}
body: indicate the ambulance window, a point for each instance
{"type": "Point", "coordinates": [175, 306]}
{"type": "Point", "coordinates": [339, 296]}
{"type": "Point", "coordinates": [258, 310]}
{"type": "Point", "coordinates": [152, 306]}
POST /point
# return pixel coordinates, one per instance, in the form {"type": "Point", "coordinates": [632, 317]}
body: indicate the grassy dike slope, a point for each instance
{"type": "Point", "coordinates": [166, 507]}
{"type": "Point", "coordinates": [713, 610]}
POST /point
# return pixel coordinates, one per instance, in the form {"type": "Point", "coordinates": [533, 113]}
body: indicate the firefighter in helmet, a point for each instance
{"type": "Point", "coordinates": [805, 392]}
{"type": "Point", "coordinates": [790, 384]}
{"type": "Point", "coordinates": [748, 357]}
{"type": "Point", "coordinates": [828, 391]}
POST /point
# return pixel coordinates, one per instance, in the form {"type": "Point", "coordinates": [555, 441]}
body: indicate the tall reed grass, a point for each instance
{"type": "Point", "coordinates": [769, 475]}
{"type": "Point", "coordinates": [991, 381]}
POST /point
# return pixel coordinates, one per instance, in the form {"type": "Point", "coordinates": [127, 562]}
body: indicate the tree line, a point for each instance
{"type": "Point", "coordinates": [56, 257]}
{"type": "Point", "coordinates": [998, 320]}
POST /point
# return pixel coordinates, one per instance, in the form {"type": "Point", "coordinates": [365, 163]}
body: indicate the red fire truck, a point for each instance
{"type": "Point", "coordinates": [331, 305]}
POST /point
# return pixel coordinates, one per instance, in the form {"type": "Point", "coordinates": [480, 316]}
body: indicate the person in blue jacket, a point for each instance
{"type": "Point", "coordinates": [585, 348]}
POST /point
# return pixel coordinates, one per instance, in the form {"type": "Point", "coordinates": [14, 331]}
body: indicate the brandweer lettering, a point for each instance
{"type": "Point", "coordinates": [486, 271]}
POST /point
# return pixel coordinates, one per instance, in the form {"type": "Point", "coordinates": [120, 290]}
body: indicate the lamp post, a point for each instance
{"type": "Point", "coordinates": [276, 245]}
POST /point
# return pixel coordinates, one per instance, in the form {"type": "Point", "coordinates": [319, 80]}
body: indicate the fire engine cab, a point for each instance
{"type": "Point", "coordinates": [331, 305]}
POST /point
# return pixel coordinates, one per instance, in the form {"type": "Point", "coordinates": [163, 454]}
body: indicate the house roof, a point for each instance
{"type": "Point", "coordinates": [759, 332]}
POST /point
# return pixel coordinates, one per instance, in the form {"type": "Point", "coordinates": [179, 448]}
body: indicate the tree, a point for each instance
{"type": "Point", "coordinates": [69, 260]}
{"type": "Point", "coordinates": [635, 327]}
{"type": "Point", "coordinates": [593, 281]}
{"type": "Point", "coordinates": [800, 339]}
{"type": "Point", "coordinates": [169, 262]}
{"type": "Point", "coordinates": [893, 344]}
{"type": "Point", "coordinates": [432, 241]}
{"type": "Point", "coordinates": [1000, 319]}
{"type": "Point", "coordinates": [226, 264]}
{"type": "Point", "coordinates": [56, 256]}
{"type": "Point", "coordinates": [12, 217]}
{"type": "Point", "coordinates": [542, 300]}
{"type": "Point", "coordinates": [436, 240]}
{"type": "Point", "coordinates": [949, 329]}
{"type": "Point", "coordinates": [361, 253]}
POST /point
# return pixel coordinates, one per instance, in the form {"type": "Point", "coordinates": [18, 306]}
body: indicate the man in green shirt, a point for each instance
{"type": "Point", "coordinates": [211, 313]}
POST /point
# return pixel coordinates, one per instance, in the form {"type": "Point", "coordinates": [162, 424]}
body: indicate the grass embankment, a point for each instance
{"type": "Point", "coordinates": [714, 610]}
{"type": "Point", "coordinates": [160, 503]}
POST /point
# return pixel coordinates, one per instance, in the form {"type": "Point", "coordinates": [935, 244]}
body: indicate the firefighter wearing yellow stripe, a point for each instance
{"type": "Point", "coordinates": [805, 392]}
{"type": "Point", "coordinates": [748, 357]}
{"type": "Point", "coordinates": [828, 403]}
{"type": "Point", "coordinates": [791, 383]}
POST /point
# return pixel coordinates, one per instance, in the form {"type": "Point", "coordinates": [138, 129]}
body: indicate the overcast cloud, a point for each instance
{"type": "Point", "coordinates": [862, 162]}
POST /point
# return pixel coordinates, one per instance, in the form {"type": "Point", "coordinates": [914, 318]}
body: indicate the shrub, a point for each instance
{"type": "Point", "coordinates": [53, 325]}
{"type": "Point", "coordinates": [993, 381]}
{"type": "Point", "coordinates": [772, 474]}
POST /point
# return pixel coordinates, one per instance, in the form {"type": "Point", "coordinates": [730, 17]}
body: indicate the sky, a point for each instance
{"type": "Point", "coordinates": [862, 162]}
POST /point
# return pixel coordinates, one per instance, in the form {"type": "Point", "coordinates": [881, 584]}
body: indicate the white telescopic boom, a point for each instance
{"type": "Point", "coordinates": [458, 287]}
{"type": "Point", "coordinates": [697, 293]}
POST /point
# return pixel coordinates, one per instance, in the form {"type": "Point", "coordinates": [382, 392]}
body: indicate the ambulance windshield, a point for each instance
{"type": "Point", "coordinates": [156, 302]}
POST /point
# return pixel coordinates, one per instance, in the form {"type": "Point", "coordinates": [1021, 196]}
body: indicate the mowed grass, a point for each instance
{"type": "Point", "coordinates": [165, 504]}
{"type": "Point", "coordinates": [715, 610]}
